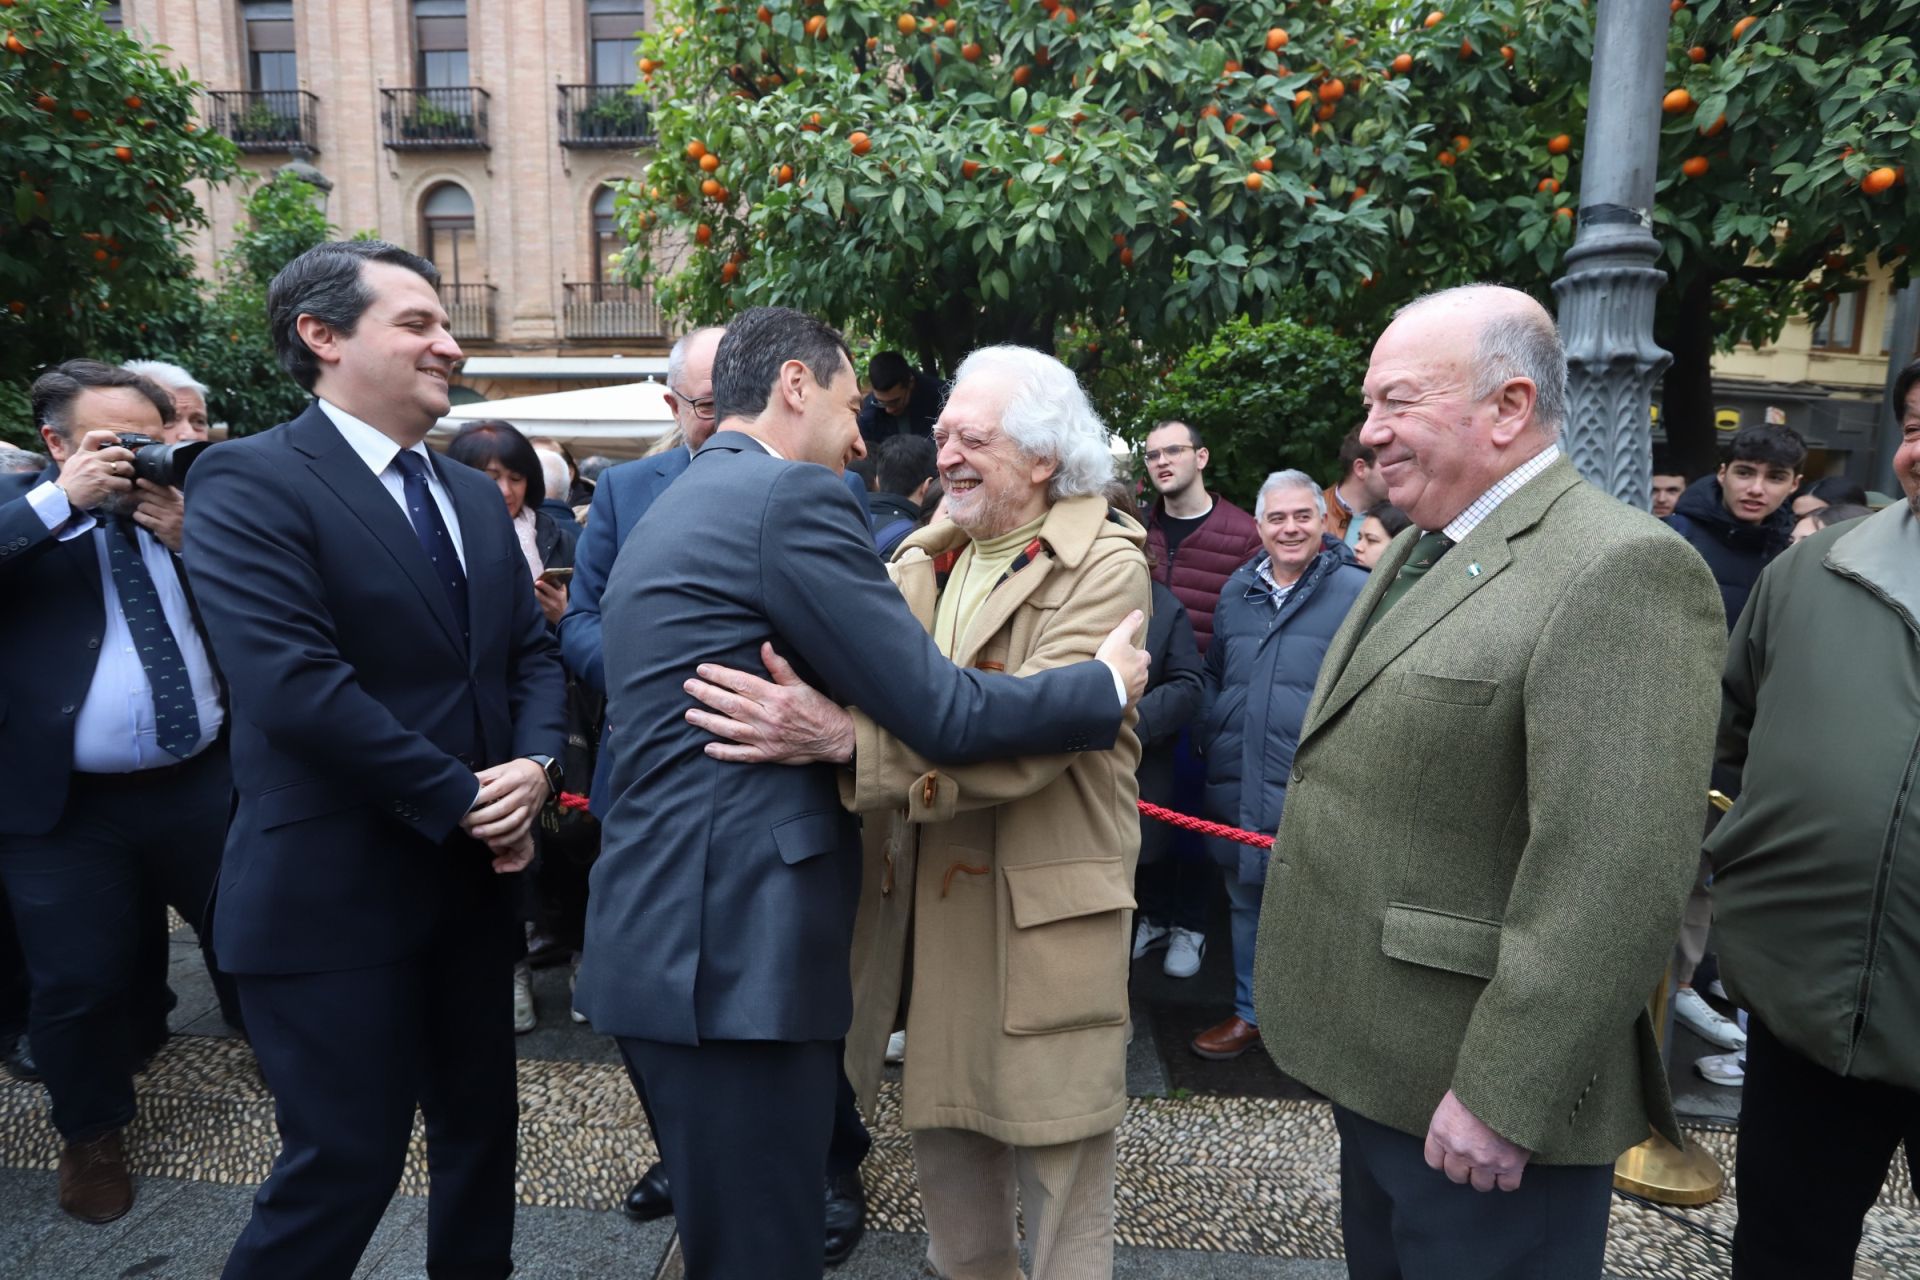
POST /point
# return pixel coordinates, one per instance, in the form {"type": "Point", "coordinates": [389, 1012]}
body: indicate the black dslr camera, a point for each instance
{"type": "Point", "coordinates": [157, 462]}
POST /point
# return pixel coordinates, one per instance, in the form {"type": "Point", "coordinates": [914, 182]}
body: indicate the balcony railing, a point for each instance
{"type": "Point", "coordinates": [612, 311]}
{"type": "Point", "coordinates": [428, 119]}
{"type": "Point", "coordinates": [469, 310]}
{"type": "Point", "coordinates": [264, 119]}
{"type": "Point", "coordinates": [603, 115]}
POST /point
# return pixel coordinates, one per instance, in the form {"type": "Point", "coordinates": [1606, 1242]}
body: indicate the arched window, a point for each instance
{"type": "Point", "coordinates": [606, 238]}
{"type": "Point", "coordinates": [450, 240]}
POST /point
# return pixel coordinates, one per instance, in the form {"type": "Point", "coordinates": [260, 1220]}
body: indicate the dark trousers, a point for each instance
{"type": "Point", "coordinates": [347, 1056]}
{"type": "Point", "coordinates": [86, 899]}
{"type": "Point", "coordinates": [1812, 1156]}
{"type": "Point", "coordinates": [845, 1150]}
{"type": "Point", "coordinates": [1175, 881]}
{"type": "Point", "coordinates": [744, 1127]}
{"type": "Point", "coordinates": [13, 981]}
{"type": "Point", "coordinates": [1403, 1221]}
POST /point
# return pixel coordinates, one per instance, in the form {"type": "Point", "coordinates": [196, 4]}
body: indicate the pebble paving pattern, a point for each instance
{"type": "Point", "coordinates": [1243, 1175]}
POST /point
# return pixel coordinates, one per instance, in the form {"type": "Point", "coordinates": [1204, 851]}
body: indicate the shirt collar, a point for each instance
{"type": "Point", "coordinates": [375, 447]}
{"type": "Point", "coordinates": [764, 445]}
{"type": "Point", "coordinates": [1505, 487]}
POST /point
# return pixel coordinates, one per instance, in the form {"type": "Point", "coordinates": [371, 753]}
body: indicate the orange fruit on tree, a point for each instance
{"type": "Point", "coordinates": [45, 102]}
{"type": "Point", "coordinates": [1461, 142]}
{"type": "Point", "coordinates": [1694, 166]}
{"type": "Point", "coordinates": [1254, 181]}
{"type": "Point", "coordinates": [1333, 91]}
{"type": "Point", "coordinates": [1277, 38]}
{"type": "Point", "coordinates": [14, 45]}
{"type": "Point", "coordinates": [1466, 48]}
{"type": "Point", "coordinates": [907, 24]}
{"type": "Point", "coordinates": [1560, 144]}
{"type": "Point", "coordinates": [1506, 55]}
{"type": "Point", "coordinates": [1879, 180]}
{"type": "Point", "coordinates": [1563, 212]}
{"type": "Point", "coordinates": [968, 168]}
{"type": "Point", "coordinates": [860, 142]}
{"type": "Point", "coordinates": [1549, 185]}
{"type": "Point", "coordinates": [1446, 158]}
{"type": "Point", "coordinates": [1403, 63]}
{"type": "Point", "coordinates": [950, 27]}
{"type": "Point", "coordinates": [1179, 212]}
{"type": "Point", "coordinates": [786, 174]}
{"type": "Point", "coordinates": [817, 25]}
{"type": "Point", "coordinates": [1326, 111]}
{"type": "Point", "coordinates": [1359, 193]}
{"type": "Point", "coordinates": [1119, 239]}
{"type": "Point", "coordinates": [971, 52]}
{"type": "Point", "coordinates": [1435, 18]}
{"type": "Point", "coordinates": [1743, 26]}
{"type": "Point", "coordinates": [703, 233]}
{"type": "Point", "coordinates": [133, 103]}
{"type": "Point", "coordinates": [1126, 257]}
{"type": "Point", "coordinates": [764, 14]}
{"type": "Point", "coordinates": [18, 307]}
{"type": "Point", "coordinates": [101, 255]}
{"type": "Point", "coordinates": [1043, 55]}
{"type": "Point", "coordinates": [710, 188]}
{"type": "Point", "coordinates": [695, 150]}
{"type": "Point", "coordinates": [1698, 53]}
{"type": "Point", "coordinates": [729, 271]}
{"type": "Point", "coordinates": [1713, 130]}
{"type": "Point", "coordinates": [1036, 129]}
{"type": "Point", "coordinates": [123, 153]}
{"type": "Point", "coordinates": [82, 115]}
{"type": "Point", "coordinates": [1302, 97]}
{"type": "Point", "coordinates": [1022, 74]}
{"type": "Point", "coordinates": [1264, 164]}
{"type": "Point", "coordinates": [1677, 101]}
{"type": "Point", "coordinates": [1235, 122]}
{"type": "Point", "coordinates": [709, 162]}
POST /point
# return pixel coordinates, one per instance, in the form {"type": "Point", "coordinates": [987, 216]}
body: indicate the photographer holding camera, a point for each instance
{"type": "Point", "coordinates": [112, 742]}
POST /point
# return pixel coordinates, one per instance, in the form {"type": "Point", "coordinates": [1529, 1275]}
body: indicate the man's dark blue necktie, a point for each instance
{"type": "Point", "coordinates": [176, 717]}
{"type": "Point", "coordinates": [435, 539]}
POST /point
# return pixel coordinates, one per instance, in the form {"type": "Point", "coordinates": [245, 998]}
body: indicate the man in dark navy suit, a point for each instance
{"type": "Point", "coordinates": [112, 748]}
{"type": "Point", "coordinates": [720, 917]}
{"type": "Point", "coordinates": [397, 708]}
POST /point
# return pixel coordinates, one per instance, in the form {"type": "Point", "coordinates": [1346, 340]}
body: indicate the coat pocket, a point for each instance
{"type": "Point", "coordinates": [1438, 940]}
{"type": "Point", "coordinates": [1466, 693]}
{"type": "Point", "coordinates": [1066, 945]}
{"type": "Point", "coordinates": [807, 835]}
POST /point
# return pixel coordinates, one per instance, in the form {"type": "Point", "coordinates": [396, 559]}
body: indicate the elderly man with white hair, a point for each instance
{"type": "Point", "coordinates": [1012, 881]}
{"type": "Point", "coordinates": [189, 420]}
{"type": "Point", "coordinates": [1277, 614]}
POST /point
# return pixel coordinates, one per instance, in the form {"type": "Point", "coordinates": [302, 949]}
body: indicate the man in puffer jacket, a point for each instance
{"type": "Point", "coordinates": [1277, 616]}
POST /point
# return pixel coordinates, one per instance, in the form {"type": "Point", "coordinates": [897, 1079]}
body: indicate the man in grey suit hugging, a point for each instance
{"type": "Point", "coordinates": [1457, 948]}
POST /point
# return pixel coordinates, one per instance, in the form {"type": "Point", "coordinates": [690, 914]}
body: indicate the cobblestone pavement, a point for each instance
{"type": "Point", "coordinates": [1210, 1185]}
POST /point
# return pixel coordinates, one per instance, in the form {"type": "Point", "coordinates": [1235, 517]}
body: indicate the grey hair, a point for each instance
{"type": "Point", "coordinates": [1289, 480]}
{"type": "Point", "coordinates": [1047, 416]}
{"type": "Point", "coordinates": [553, 470]}
{"type": "Point", "coordinates": [1516, 341]}
{"type": "Point", "coordinates": [171, 377]}
{"type": "Point", "coordinates": [677, 358]}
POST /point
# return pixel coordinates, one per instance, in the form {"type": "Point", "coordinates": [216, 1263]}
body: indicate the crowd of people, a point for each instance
{"type": "Point", "coordinates": [862, 743]}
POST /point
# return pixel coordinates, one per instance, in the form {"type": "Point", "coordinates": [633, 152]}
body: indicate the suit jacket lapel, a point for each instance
{"type": "Point", "coordinates": [999, 606]}
{"type": "Point", "coordinates": [338, 467]}
{"type": "Point", "coordinates": [485, 589]}
{"type": "Point", "coordinates": [1444, 589]}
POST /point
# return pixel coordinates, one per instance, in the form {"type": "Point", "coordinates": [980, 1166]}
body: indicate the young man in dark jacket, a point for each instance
{"type": "Point", "coordinates": [1195, 539]}
{"type": "Point", "coordinates": [1735, 517]}
{"type": "Point", "coordinates": [1278, 614]}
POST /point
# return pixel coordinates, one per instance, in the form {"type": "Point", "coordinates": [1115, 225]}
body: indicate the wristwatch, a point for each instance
{"type": "Point", "coordinates": [551, 768]}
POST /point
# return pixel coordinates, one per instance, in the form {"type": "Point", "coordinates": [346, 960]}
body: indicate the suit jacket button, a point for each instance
{"type": "Point", "coordinates": [67, 710]}
{"type": "Point", "coordinates": [1295, 777]}
{"type": "Point", "coordinates": [94, 643]}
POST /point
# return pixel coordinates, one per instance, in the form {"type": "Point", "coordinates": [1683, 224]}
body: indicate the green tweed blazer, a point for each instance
{"type": "Point", "coordinates": [1492, 825]}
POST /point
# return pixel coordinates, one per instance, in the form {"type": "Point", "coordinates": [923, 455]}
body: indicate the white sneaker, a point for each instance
{"type": "Point", "coordinates": [523, 1014]}
{"type": "Point", "coordinates": [1147, 935]}
{"type": "Point", "coordinates": [1184, 950]}
{"type": "Point", "coordinates": [1729, 1069]}
{"type": "Point", "coordinates": [897, 1047]}
{"type": "Point", "coordinates": [1692, 1008]}
{"type": "Point", "coordinates": [573, 981]}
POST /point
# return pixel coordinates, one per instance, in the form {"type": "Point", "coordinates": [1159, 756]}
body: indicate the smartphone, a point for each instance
{"type": "Point", "coordinates": [557, 577]}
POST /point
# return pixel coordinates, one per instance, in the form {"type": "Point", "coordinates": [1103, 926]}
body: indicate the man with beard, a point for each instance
{"type": "Point", "coordinates": [112, 750]}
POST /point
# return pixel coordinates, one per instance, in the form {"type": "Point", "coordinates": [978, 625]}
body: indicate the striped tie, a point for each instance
{"type": "Point", "coordinates": [176, 716]}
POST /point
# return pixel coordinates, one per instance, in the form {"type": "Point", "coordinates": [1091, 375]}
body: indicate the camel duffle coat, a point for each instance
{"type": "Point", "coordinates": [1012, 880]}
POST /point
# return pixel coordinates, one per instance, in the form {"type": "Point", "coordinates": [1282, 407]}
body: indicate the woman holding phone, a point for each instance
{"type": "Point", "coordinates": [499, 449]}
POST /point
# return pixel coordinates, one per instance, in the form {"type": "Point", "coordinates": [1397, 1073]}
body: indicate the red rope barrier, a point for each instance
{"type": "Point", "coordinates": [568, 800]}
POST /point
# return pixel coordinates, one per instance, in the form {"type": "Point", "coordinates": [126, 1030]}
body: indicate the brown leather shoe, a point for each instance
{"type": "Point", "coordinates": [1228, 1040]}
{"type": "Point", "coordinates": [94, 1183]}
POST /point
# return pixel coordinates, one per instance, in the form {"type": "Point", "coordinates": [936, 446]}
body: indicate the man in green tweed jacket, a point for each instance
{"type": "Point", "coordinates": [1493, 820]}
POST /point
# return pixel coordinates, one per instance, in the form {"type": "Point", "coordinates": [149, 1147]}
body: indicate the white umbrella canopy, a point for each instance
{"type": "Point", "coordinates": [619, 422]}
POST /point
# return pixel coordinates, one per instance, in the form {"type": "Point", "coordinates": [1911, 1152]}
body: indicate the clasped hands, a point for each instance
{"type": "Point", "coordinates": [502, 815]}
{"type": "Point", "coordinates": [787, 721]}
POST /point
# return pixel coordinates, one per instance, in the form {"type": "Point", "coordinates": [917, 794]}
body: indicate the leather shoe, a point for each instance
{"type": "Point", "coordinates": [846, 1215]}
{"type": "Point", "coordinates": [94, 1183]}
{"type": "Point", "coordinates": [1228, 1040]}
{"type": "Point", "coordinates": [651, 1197]}
{"type": "Point", "coordinates": [19, 1059]}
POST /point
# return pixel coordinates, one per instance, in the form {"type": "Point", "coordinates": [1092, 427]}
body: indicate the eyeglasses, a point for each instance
{"type": "Point", "coordinates": [1171, 452]}
{"type": "Point", "coordinates": [702, 409]}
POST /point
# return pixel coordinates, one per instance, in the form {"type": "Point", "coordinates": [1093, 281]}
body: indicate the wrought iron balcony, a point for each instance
{"type": "Point", "coordinates": [611, 311]}
{"type": "Point", "coordinates": [469, 310]}
{"type": "Point", "coordinates": [434, 119]}
{"type": "Point", "coordinates": [603, 115]}
{"type": "Point", "coordinates": [264, 119]}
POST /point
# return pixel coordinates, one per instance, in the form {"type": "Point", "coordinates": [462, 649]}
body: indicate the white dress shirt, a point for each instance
{"type": "Point", "coordinates": [378, 450]}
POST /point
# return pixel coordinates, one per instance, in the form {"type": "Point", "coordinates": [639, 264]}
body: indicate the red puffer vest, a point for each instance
{"type": "Point", "coordinates": [1206, 559]}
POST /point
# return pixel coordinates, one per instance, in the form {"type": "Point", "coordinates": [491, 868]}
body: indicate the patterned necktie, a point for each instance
{"type": "Point", "coordinates": [1425, 554]}
{"type": "Point", "coordinates": [431, 529]}
{"type": "Point", "coordinates": [176, 716]}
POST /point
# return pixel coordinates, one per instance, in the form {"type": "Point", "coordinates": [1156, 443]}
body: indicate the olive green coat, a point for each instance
{"type": "Point", "coordinates": [1816, 892]}
{"type": "Point", "coordinates": [1013, 879]}
{"type": "Point", "coordinates": [1492, 826]}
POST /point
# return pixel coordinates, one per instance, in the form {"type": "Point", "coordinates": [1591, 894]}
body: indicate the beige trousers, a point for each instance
{"type": "Point", "coordinates": [967, 1185]}
{"type": "Point", "coordinates": [1694, 926]}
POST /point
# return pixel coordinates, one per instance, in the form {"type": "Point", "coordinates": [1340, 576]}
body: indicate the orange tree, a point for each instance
{"type": "Point", "coordinates": [98, 147]}
{"type": "Point", "coordinates": [950, 172]}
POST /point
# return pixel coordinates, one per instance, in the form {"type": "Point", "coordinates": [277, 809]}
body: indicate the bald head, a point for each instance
{"type": "Point", "coordinates": [1464, 386]}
